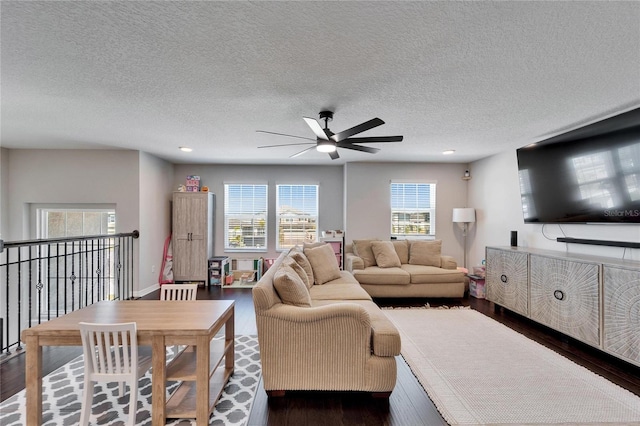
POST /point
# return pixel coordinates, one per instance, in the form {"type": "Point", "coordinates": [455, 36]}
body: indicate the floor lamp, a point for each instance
{"type": "Point", "coordinates": [465, 216]}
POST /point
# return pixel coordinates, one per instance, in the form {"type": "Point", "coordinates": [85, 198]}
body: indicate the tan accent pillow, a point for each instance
{"type": "Point", "coordinates": [402, 250]}
{"type": "Point", "coordinates": [425, 253]}
{"type": "Point", "coordinates": [385, 253]}
{"type": "Point", "coordinates": [302, 260]}
{"type": "Point", "coordinates": [312, 245]}
{"type": "Point", "coordinates": [290, 288]}
{"type": "Point", "coordinates": [324, 263]}
{"type": "Point", "coordinates": [290, 262]}
{"type": "Point", "coordinates": [362, 249]}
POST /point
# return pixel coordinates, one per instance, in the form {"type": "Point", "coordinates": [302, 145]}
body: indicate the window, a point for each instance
{"type": "Point", "coordinates": [245, 217]}
{"type": "Point", "coordinates": [297, 215]}
{"type": "Point", "coordinates": [413, 207]}
{"type": "Point", "coordinates": [59, 223]}
{"type": "Point", "coordinates": [74, 271]}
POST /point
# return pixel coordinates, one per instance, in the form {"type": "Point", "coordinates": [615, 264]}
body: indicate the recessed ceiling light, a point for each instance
{"type": "Point", "coordinates": [448, 152]}
{"type": "Point", "coordinates": [185, 149]}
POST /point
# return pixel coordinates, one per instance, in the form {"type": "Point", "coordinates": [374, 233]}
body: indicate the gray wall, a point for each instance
{"type": "Point", "coordinates": [136, 183]}
{"type": "Point", "coordinates": [4, 192]}
{"type": "Point", "coordinates": [354, 198]}
{"type": "Point", "coordinates": [367, 205]}
{"type": "Point", "coordinates": [156, 184]}
{"type": "Point", "coordinates": [329, 178]}
{"type": "Point", "coordinates": [494, 192]}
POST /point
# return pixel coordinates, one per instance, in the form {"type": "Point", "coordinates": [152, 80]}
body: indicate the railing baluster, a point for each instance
{"type": "Point", "coordinates": [100, 265]}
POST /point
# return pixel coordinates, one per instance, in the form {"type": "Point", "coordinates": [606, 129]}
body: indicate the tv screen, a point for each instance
{"type": "Point", "coordinates": [589, 175]}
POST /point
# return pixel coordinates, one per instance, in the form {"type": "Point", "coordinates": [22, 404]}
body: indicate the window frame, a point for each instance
{"type": "Point", "coordinates": [280, 215]}
{"type": "Point", "coordinates": [251, 216]}
{"type": "Point", "coordinates": [430, 210]}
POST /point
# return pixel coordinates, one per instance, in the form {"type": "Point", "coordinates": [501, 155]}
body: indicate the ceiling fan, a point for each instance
{"type": "Point", "coordinates": [327, 141]}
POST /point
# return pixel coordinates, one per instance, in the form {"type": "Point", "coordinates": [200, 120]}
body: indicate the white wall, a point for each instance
{"type": "Point", "coordinates": [495, 193]}
{"type": "Point", "coordinates": [156, 186]}
{"type": "Point", "coordinates": [367, 199]}
{"type": "Point", "coordinates": [215, 176]}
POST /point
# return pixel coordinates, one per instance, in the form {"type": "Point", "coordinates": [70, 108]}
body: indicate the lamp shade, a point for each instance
{"type": "Point", "coordinates": [465, 215]}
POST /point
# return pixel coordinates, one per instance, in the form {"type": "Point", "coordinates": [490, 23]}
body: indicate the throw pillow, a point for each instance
{"type": "Point", "coordinates": [290, 288]}
{"type": "Point", "coordinates": [385, 253]}
{"type": "Point", "coordinates": [312, 245]}
{"type": "Point", "coordinates": [290, 262]}
{"type": "Point", "coordinates": [402, 250]}
{"type": "Point", "coordinates": [302, 260]}
{"type": "Point", "coordinates": [425, 253]}
{"type": "Point", "coordinates": [362, 249]}
{"type": "Point", "coordinates": [324, 263]}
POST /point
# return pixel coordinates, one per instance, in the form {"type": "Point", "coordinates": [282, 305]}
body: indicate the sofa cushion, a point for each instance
{"type": "Point", "coordinates": [402, 250]}
{"type": "Point", "coordinates": [289, 261]}
{"type": "Point", "coordinates": [362, 249]}
{"type": "Point", "coordinates": [340, 289]}
{"type": "Point", "coordinates": [290, 288]}
{"type": "Point", "coordinates": [425, 253]}
{"type": "Point", "coordinates": [385, 338]}
{"type": "Point", "coordinates": [376, 275]}
{"type": "Point", "coordinates": [385, 254]}
{"type": "Point", "coordinates": [323, 262]}
{"type": "Point", "coordinates": [301, 259]}
{"type": "Point", "coordinates": [421, 274]}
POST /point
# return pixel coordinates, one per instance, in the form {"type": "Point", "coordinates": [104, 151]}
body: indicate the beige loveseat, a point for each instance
{"type": "Point", "coordinates": [322, 333]}
{"type": "Point", "coordinates": [404, 268]}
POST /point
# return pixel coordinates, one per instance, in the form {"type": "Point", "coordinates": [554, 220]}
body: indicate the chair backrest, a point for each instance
{"type": "Point", "coordinates": [110, 350]}
{"type": "Point", "coordinates": [178, 291]}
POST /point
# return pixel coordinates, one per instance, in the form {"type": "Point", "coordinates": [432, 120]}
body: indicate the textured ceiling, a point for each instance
{"type": "Point", "coordinates": [476, 77]}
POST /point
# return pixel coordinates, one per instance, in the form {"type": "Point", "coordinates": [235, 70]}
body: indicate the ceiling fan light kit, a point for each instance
{"type": "Point", "coordinates": [326, 146]}
{"type": "Point", "coordinates": [329, 142]}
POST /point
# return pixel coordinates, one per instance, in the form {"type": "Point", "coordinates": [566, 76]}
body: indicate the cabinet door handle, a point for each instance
{"type": "Point", "coordinates": [558, 294]}
{"type": "Point", "coordinates": [503, 278]}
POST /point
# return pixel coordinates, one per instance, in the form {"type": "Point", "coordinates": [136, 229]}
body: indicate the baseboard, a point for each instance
{"type": "Point", "coordinates": [146, 290]}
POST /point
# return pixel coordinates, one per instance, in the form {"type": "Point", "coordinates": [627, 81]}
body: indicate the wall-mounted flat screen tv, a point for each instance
{"type": "Point", "coordinates": [589, 175]}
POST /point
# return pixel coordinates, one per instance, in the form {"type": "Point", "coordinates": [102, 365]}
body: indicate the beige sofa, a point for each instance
{"type": "Point", "coordinates": [323, 334]}
{"type": "Point", "coordinates": [404, 268]}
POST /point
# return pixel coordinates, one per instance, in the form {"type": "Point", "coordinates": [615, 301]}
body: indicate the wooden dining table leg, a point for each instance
{"type": "Point", "coordinates": [33, 381]}
{"type": "Point", "coordinates": [202, 380]}
{"type": "Point", "coordinates": [158, 381]}
{"type": "Point", "coordinates": [229, 336]}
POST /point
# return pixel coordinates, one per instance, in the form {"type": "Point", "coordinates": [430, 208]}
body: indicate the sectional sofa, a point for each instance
{"type": "Point", "coordinates": [404, 268]}
{"type": "Point", "coordinates": [319, 330]}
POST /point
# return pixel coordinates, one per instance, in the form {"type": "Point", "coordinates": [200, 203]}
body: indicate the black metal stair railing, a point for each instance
{"type": "Point", "coordinates": [44, 279]}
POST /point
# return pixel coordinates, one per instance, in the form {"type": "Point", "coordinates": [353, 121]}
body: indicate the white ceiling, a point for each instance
{"type": "Point", "coordinates": [477, 77]}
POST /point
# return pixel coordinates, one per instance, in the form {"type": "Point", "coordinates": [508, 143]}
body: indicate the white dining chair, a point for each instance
{"type": "Point", "coordinates": [178, 292]}
{"type": "Point", "coordinates": [110, 355]}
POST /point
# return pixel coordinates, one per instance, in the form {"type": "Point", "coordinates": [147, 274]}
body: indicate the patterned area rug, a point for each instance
{"type": "Point", "coordinates": [62, 393]}
{"type": "Point", "coordinates": [478, 371]}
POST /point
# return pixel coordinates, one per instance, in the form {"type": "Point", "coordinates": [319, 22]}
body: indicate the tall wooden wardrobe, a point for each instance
{"type": "Point", "coordinates": [192, 235]}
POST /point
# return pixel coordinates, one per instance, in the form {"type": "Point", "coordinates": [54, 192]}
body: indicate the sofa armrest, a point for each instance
{"type": "Point", "coordinates": [448, 262]}
{"type": "Point", "coordinates": [299, 343]}
{"type": "Point", "coordinates": [353, 262]}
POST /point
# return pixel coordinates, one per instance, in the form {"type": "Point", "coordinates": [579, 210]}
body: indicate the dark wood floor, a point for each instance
{"type": "Point", "coordinates": [408, 404]}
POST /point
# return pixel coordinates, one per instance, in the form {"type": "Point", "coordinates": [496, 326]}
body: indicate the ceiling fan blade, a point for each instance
{"type": "Point", "coordinates": [288, 144]}
{"type": "Point", "coordinates": [301, 152]}
{"type": "Point", "coordinates": [374, 139]}
{"type": "Point", "coordinates": [334, 155]}
{"type": "Point", "coordinates": [316, 128]}
{"type": "Point", "coordinates": [282, 134]}
{"type": "Point", "coordinates": [357, 147]}
{"type": "Point", "coordinates": [374, 122]}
